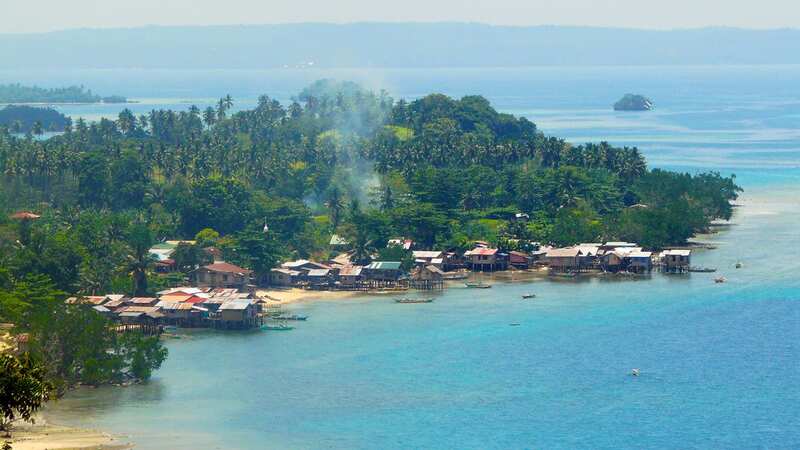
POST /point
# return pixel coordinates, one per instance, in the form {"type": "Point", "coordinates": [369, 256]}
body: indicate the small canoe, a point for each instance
{"type": "Point", "coordinates": [413, 300]}
{"type": "Point", "coordinates": [478, 285]}
{"type": "Point", "coordinates": [527, 296]}
{"type": "Point", "coordinates": [720, 280]}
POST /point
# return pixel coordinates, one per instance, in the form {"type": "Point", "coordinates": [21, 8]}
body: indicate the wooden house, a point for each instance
{"type": "Point", "coordinates": [383, 271]}
{"type": "Point", "coordinates": [485, 259]}
{"type": "Point", "coordinates": [319, 277]}
{"type": "Point", "coordinates": [351, 275]}
{"type": "Point", "coordinates": [280, 276]}
{"type": "Point", "coordinates": [222, 275]}
{"type": "Point", "coordinates": [519, 260]}
{"type": "Point", "coordinates": [676, 260]}
{"type": "Point", "coordinates": [236, 314]}
{"type": "Point", "coordinates": [424, 258]}
{"type": "Point", "coordinates": [564, 259]}
{"type": "Point", "coordinates": [640, 262]}
{"type": "Point", "coordinates": [428, 277]}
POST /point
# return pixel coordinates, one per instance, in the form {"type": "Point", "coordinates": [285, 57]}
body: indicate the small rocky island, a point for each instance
{"type": "Point", "coordinates": [634, 102]}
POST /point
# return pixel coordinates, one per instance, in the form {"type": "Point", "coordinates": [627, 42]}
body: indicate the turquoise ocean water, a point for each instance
{"type": "Point", "coordinates": [719, 363]}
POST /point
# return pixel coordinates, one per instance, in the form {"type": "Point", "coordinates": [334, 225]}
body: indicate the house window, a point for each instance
{"type": "Point", "coordinates": [224, 278]}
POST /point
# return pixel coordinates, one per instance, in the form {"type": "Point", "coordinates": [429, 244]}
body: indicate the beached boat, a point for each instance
{"type": "Point", "coordinates": [291, 317]}
{"type": "Point", "coordinates": [702, 269]}
{"type": "Point", "coordinates": [526, 296]}
{"type": "Point", "coordinates": [277, 327]}
{"type": "Point", "coordinates": [478, 285]}
{"type": "Point", "coordinates": [413, 300]}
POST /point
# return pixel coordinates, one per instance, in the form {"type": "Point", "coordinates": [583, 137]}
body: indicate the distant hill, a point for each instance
{"type": "Point", "coordinates": [392, 45]}
{"type": "Point", "coordinates": [21, 119]}
{"type": "Point", "coordinates": [17, 93]}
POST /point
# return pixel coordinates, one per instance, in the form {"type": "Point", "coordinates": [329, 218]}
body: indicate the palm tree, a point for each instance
{"type": "Point", "coordinates": [210, 117]}
{"type": "Point", "coordinates": [335, 205]}
{"type": "Point", "coordinates": [37, 128]}
{"type": "Point", "coordinates": [139, 258]}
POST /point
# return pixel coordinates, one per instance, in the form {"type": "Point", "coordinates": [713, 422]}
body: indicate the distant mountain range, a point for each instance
{"type": "Point", "coordinates": [392, 45]}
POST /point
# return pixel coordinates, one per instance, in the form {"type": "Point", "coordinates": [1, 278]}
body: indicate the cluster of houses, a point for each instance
{"type": "Point", "coordinates": [615, 257]}
{"type": "Point", "coordinates": [184, 306]}
{"type": "Point", "coordinates": [432, 267]}
{"type": "Point", "coordinates": [338, 275]}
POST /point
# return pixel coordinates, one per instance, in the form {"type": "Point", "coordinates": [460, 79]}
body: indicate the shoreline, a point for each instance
{"type": "Point", "coordinates": [49, 436]}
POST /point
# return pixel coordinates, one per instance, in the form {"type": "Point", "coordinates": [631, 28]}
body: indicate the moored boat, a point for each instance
{"type": "Point", "coordinates": [413, 300]}
{"type": "Point", "coordinates": [702, 269]}
{"type": "Point", "coordinates": [526, 296]}
{"type": "Point", "coordinates": [478, 285]}
{"type": "Point", "coordinates": [291, 317]}
{"type": "Point", "coordinates": [720, 280]}
{"type": "Point", "coordinates": [277, 327]}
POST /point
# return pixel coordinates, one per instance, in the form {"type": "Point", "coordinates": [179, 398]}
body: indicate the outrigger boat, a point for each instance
{"type": "Point", "coordinates": [478, 285]}
{"type": "Point", "coordinates": [526, 296]}
{"type": "Point", "coordinates": [413, 300]}
{"type": "Point", "coordinates": [291, 317]}
{"type": "Point", "coordinates": [720, 280]}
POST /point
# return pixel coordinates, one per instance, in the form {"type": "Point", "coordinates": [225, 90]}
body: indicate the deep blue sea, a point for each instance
{"type": "Point", "coordinates": [720, 364]}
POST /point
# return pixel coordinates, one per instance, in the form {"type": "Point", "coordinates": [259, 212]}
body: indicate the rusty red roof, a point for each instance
{"type": "Point", "coordinates": [25, 215]}
{"type": "Point", "coordinates": [226, 268]}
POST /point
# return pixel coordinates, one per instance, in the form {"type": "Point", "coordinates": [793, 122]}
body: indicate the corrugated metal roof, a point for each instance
{"type": "Point", "coordinates": [481, 251]}
{"type": "Point", "coordinates": [569, 252]}
{"type": "Point", "coordinates": [426, 254]}
{"type": "Point", "coordinates": [350, 271]}
{"type": "Point", "coordinates": [318, 272]}
{"type": "Point", "coordinates": [224, 267]}
{"type": "Point", "coordinates": [677, 252]}
{"type": "Point", "coordinates": [236, 305]}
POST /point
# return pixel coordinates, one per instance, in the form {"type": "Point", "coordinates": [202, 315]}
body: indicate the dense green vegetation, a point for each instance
{"type": "Point", "coordinates": [17, 93]}
{"type": "Point", "coordinates": [29, 119]}
{"type": "Point", "coordinates": [340, 159]}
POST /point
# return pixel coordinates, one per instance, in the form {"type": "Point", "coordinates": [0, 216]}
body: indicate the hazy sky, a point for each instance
{"type": "Point", "coordinates": [47, 15]}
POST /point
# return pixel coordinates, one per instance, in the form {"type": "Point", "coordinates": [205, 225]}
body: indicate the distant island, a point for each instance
{"type": "Point", "coordinates": [17, 93]}
{"type": "Point", "coordinates": [634, 102]}
{"type": "Point", "coordinates": [25, 119]}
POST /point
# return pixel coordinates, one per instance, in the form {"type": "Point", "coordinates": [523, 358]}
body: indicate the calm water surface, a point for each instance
{"type": "Point", "coordinates": [719, 363]}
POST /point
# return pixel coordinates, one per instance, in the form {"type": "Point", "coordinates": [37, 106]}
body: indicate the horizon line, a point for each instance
{"type": "Point", "coordinates": [431, 23]}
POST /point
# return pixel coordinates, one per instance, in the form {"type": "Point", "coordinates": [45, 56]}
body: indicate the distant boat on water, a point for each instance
{"type": "Point", "coordinates": [478, 285]}
{"type": "Point", "coordinates": [277, 327]}
{"type": "Point", "coordinates": [413, 300]}
{"type": "Point", "coordinates": [526, 296]}
{"type": "Point", "coordinates": [702, 269]}
{"type": "Point", "coordinates": [291, 317]}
